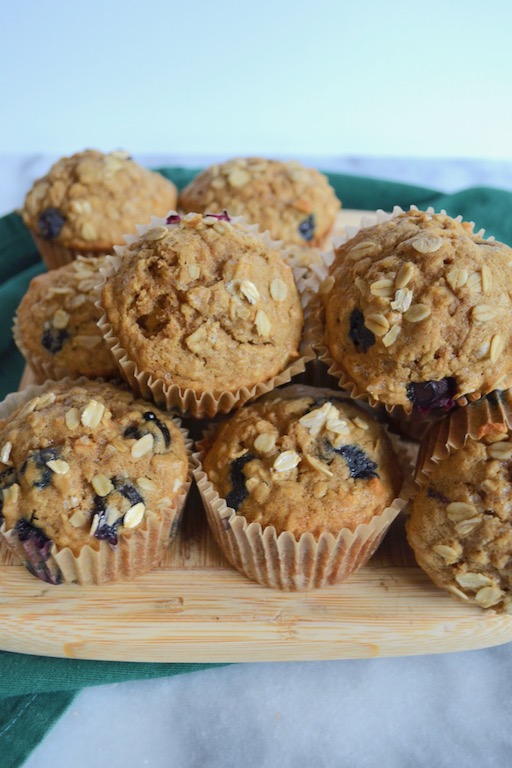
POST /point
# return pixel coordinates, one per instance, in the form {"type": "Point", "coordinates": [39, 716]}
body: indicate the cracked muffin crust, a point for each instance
{"type": "Point", "coordinates": [417, 311]}
{"type": "Point", "coordinates": [294, 203]}
{"type": "Point", "coordinates": [86, 203]}
{"type": "Point", "coordinates": [460, 525]}
{"type": "Point", "coordinates": [86, 463]}
{"type": "Point", "coordinates": [204, 303]}
{"type": "Point", "coordinates": [56, 323]}
{"type": "Point", "coordinates": [303, 462]}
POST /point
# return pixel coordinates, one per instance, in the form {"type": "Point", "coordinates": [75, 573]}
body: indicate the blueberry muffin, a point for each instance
{"type": "Point", "coordinates": [417, 312]}
{"type": "Point", "coordinates": [86, 203]}
{"type": "Point", "coordinates": [460, 526]}
{"type": "Point", "coordinates": [56, 323]}
{"type": "Point", "coordinates": [294, 203]}
{"type": "Point", "coordinates": [201, 304]}
{"type": "Point", "coordinates": [299, 487]}
{"type": "Point", "coordinates": [92, 482]}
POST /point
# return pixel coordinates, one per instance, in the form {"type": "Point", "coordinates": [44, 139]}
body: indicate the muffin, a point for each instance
{"type": "Point", "coordinates": [294, 203]}
{"type": "Point", "coordinates": [56, 328]}
{"type": "Point", "coordinates": [202, 313]}
{"type": "Point", "coordinates": [86, 203]}
{"type": "Point", "coordinates": [460, 525]}
{"type": "Point", "coordinates": [93, 481]}
{"type": "Point", "coordinates": [417, 313]}
{"type": "Point", "coordinates": [299, 487]}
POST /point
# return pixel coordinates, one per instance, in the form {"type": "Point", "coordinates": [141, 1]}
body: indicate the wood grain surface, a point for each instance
{"type": "Point", "coordinates": [197, 608]}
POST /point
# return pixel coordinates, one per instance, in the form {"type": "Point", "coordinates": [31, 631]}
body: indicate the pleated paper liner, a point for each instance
{"type": "Point", "coordinates": [185, 400]}
{"type": "Point", "coordinates": [492, 414]}
{"type": "Point", "coordinates": [280, 561]}
{"type": "Point", "coordinates": [139, 550]}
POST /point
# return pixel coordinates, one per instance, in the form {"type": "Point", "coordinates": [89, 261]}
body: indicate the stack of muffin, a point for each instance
{"type": "Point", "coordinates": [210, 312]}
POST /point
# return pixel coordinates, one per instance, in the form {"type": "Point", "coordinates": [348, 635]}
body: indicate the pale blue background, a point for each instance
{"type": "Point", "coordinates": [321, 78]}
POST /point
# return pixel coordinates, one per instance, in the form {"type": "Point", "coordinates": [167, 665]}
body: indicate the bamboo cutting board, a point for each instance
{"type": "Point", "coordinates": [197, 608]}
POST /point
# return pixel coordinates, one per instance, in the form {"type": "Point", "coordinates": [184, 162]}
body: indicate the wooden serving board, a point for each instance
{"type": "Point", "coordinates": [197, 608]}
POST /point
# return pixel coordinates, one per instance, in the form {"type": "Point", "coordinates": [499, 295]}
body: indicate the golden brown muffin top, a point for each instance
{"type": "Point", "coordinates": [57, 321]}
{"type": "Point", "coordinates": [87, 463]}
{"type": "Point", "coordinates": [417, 311]}
{"type": "Point", "coordinates": [90, 200]}
{"type": "Point", "coordinates": [294, 203]}
{"type": "Point", "coordinates": [204, 303]}
{"type": "Point", "coordinates": [461, 522]}
{"type": "Point", "coordinates": [303, 463]}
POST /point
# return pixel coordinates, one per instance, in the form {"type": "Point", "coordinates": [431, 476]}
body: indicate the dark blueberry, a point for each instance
{"type": "Point", "coordinates": [37, 547]}
{"type": "Point", "coordinates": [127, 490]}
{"type": "Point", "coordinates": [360, 466]}
{"type": "Point", "coordinates": [224, 216]}
{"type": "Point", "coordinates": [433, 493]}
{"type": "Point", "coordinates": [359, 334]}
{"type": "Point", "coordinates": [173, 219]}
{"type": "Point", "coordinates": [427, 395]}
{"type": "Point", "coordinates": [150, 416]}
{"type": "Point", "coordinates": [53, 339]}
{"type": "Point", "coordinates": [50, 223]}
{"type": "Point", "coordinates": [104, 531]}
{"type": "Point", "coordinates": [136, 431]}
{"type": "Point", "coordinates": [307, 228]}
{"type": "Point", "coordinates": [238, 492]}
{"type": "Point", "coordinates": [39, 460]}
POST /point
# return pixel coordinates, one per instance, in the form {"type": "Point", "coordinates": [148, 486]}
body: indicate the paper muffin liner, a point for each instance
{"type": "Point", "coordinates": [410, 421]}
{"type": "Point", "coordinates": [280, 561]}
{"type": "Point", "coordinates": [489, 414]}
{"type": "Point", "coordinates": [136, 553]}
{"type": "Point", "coordinates": [185, 400]}
{"type": "Point", "coordinates": [55, 255]}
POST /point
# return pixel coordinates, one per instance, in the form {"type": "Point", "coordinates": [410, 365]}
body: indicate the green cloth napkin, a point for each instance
{"type": "Point", "coordinates": [35, 691]}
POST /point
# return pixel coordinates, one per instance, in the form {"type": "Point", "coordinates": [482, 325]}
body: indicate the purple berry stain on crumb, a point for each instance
{"type": "Point", "coordinates": [53, 339]}
{"type": "Point", "coordinates": [427, 395]}
{"type": "Point", "coordinates": [433, 493]}
{"type": "Point", "coordinates": [50, 223]}
{"type": "Point", "coordinates": [136, 431]}
{"type": "Point", "coordinates": [109, 532]}
{"type": "Point", "coordinates": [36, 465]}
{"type": "Point", "coordinates": [307, 228]}
{"type": "Point", "coordinates": [174, 218]}
{"type": "Point", "coordinates": [360, 466]}
{"type": "Point", "coordinates": [359, 334]}
{"type": "Point", "coordinates": [238, 492]}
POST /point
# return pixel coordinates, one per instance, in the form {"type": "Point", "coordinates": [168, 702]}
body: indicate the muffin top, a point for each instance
{"type": "Point", "coordinates": [294, 203]}
{"type": "Point", "coordinates": [56, 322]}
{"type": "Point", "coordinates": [417, 311]}
{"type": "Point", "coordinates": [85, 463]}
{"type": "Point", "coordinates": [461, 522]}
{"type": "Point", "coordinates": [204, 303]}
{"type": "Point", "coordinates": [303, 460]}
{"type": "Point", "coordinates": [90, 200]}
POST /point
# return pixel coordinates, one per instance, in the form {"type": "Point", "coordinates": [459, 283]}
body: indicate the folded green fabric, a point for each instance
{"type": "Point", "coordinates": [34, 691]}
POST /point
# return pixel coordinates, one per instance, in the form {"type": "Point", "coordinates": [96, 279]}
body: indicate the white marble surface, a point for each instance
{"type": "Point", "coordinates": [437, 710]}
